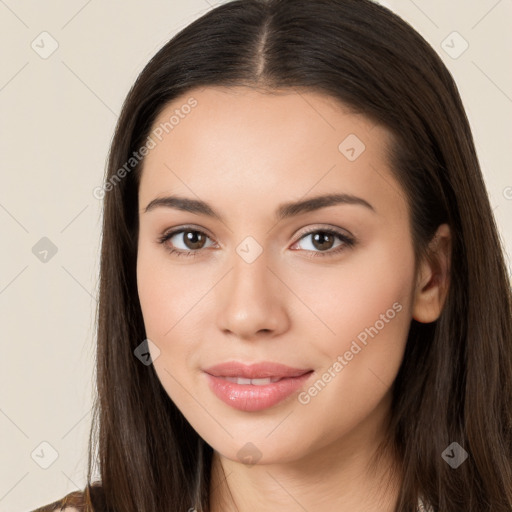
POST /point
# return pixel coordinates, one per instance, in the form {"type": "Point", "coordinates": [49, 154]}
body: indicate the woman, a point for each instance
{"type": "Point", "coordinates": [334, 330]}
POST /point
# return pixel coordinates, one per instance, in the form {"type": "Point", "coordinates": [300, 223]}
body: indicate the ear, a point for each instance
{"type": "Point", "coordinates": [433, 277]}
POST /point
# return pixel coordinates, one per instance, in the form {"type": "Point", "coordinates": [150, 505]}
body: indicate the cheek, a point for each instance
{"type": "Point", "coordinates": [168, 291]}
{"type": "Point", "coordinates": [368, 306]}
{"type": "Point", "coordinates": [351, 296]}
{"type": "Point", "coordinates": [153, 297]}
{"type": "Point", "coordinates": [173, 298]}
{"type": "Point", "coordinates": [167, 296]}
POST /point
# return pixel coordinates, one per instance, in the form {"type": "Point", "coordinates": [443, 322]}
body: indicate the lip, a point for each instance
{"type": "Point", "coordinates": [255, 371]}
{"type": "Point", "coordinates": [252, 397]}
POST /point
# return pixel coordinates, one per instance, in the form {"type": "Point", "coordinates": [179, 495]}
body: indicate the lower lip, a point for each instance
{"type": "Point", "coordinates": [249, 397]}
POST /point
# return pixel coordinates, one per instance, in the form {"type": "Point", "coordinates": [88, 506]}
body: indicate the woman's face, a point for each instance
{"type": "Point", "coordinates": [258, 280]}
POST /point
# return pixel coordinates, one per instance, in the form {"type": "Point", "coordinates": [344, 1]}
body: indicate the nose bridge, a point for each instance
{"type": "Point", "coordinates": [250, 273]}
{"type": "Point", "coordinates": [252, 300]}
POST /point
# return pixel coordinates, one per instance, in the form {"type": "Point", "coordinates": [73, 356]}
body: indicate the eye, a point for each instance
{"type": "Point", "coordinates": [323, 239]}
{"type": "Point", "coordinates": [194, 240]}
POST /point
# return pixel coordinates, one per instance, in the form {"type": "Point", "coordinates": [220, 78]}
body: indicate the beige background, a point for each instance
{"type": "Point", "coordinates": [57, 118]}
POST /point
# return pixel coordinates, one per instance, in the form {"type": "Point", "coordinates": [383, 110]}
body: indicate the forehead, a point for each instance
{"type": "Point", "coordinates": [217, 142]}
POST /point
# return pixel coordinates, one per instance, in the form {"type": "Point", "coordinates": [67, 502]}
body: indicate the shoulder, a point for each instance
{"type": "Point", "coordinates": [72, 502]}
{"type": "Point", "coordinates": [59, 506]}
{"type": "Point", "coordinates": [91, 499]}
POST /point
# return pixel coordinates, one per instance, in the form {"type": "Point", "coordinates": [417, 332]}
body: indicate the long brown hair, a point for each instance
{"type": "Point", "coordinates": [455, 381]}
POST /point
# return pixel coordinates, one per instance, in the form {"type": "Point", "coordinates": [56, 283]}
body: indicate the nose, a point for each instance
{"type": "Point", "coordinates": [251, 299]}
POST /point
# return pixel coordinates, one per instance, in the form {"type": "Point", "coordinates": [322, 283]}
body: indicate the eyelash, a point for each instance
{"type": "Point", "coordinates": [348, 242]}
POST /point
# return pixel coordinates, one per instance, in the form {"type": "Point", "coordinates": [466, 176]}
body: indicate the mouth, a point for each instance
{"type": "Point", "coordinates": [255, 387]}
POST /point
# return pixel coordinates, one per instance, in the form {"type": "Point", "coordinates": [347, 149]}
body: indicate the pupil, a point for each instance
{"type": "Point", "coordinates": [326, 236]}
{"type": "Point", "coordinates": [193, 237]}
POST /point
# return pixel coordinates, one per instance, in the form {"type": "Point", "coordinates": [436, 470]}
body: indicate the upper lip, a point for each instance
{"type": "Point", "coordinates": [254, 371]}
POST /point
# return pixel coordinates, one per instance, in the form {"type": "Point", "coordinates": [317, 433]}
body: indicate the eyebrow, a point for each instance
{"type": "Point", "coordinates": [284, 211]}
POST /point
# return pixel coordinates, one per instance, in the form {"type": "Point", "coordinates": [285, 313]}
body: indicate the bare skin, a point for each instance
{"type": "Point", "coordinates": [245, 153]}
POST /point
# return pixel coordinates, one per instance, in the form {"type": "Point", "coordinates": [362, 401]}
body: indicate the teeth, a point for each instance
{"type": "Point", "coordinates": [255, 382]}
